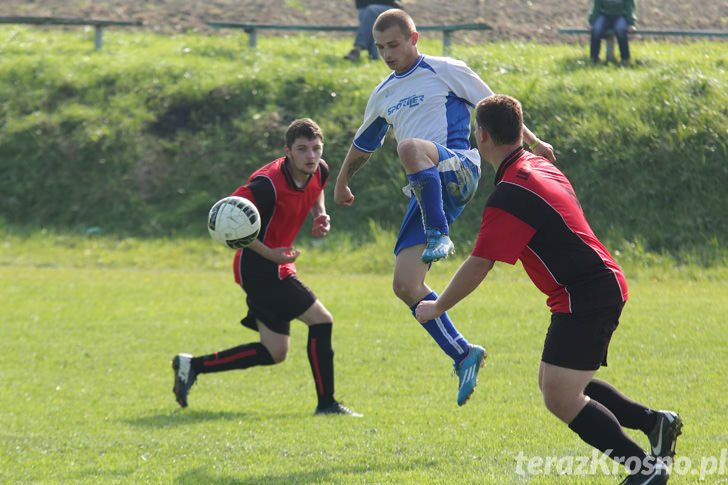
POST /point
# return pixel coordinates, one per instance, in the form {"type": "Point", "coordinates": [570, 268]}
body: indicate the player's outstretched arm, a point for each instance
{"type": "Point", "coordinates": [466, 279]}
{"type": "Point", "coordinates": [354, 160]}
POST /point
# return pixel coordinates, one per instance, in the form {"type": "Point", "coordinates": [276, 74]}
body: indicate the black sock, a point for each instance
{"type": "Point", "coordinates": [598, 427]}
{"type": "Point", "coordinates": [240, 357]}
{"type": "Point", "coordinates": [321, 358]}
{"type": "Point", "coordinates": [629, 413]}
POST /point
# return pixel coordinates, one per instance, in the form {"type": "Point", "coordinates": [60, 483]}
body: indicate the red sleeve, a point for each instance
{"type": "Point", "coordinates": [502, 236]}
{"type": "Point", "coordinates": [246, 193]}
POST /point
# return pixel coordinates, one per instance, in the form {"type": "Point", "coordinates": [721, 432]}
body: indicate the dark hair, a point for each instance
{"type": "Point", "coordinates": [501, 116]}
{"type": "Point", "coordinates": [304, 127]}
{"type": "Point", "coordinates": [395, 18]}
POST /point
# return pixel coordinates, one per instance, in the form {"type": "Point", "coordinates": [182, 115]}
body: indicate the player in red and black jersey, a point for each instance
{"type": "Point", "coordinates": [533, 216]}
{"type": "Point", "coordinates": [285, 191]}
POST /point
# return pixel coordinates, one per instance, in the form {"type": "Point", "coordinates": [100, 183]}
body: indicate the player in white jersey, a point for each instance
{"type": "Point", "coordinates": [427, 101]}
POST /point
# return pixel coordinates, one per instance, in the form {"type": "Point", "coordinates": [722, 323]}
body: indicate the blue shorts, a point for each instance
{"type": "Point", "coordinates": [459, 178]}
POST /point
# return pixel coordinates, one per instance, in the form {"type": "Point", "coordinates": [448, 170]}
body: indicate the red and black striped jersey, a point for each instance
{"type": "Point", "coordinates": [283, 208]}
{"type": "Point", "coordinates": [534, 215]}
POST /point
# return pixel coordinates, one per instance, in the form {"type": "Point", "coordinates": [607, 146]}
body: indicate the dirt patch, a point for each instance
{"type": "Point", "coordinates": [536, 20]}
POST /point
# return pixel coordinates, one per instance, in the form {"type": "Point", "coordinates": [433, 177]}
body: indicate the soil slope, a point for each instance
{"type": "Point", "coordinates": [536, 20]}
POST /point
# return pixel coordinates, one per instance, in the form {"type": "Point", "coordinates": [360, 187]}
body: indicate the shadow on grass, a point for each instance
{"type": "Point", "coordinates": [192, 416]}
{"type": "Point", "coordinates": [325, 474]}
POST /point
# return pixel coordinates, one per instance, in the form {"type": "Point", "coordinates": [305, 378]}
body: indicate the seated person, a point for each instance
{"type": "Point", "coordinates": [616, 15]}
{"type": "Point", "coordinates": [369, 10]}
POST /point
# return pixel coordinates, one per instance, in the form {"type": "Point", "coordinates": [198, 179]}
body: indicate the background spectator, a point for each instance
{"type": "Point", "coordinates": [369, 10]}
{"type": "Point", "coordinates": [616, 15]}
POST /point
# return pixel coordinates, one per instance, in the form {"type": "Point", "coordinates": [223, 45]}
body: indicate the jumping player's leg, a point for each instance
{"type": "Point", "coordinates": [410, 287]}
{"type": "Point", "coordinates": [460, 177]}
{"type": "Point", "coordinates": [441, 182]}
{"type": "Point", "coordinates": [420, 159]}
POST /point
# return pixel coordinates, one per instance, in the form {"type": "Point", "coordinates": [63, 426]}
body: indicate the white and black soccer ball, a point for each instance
{"type": "Point", "coordinates": [234, 222]}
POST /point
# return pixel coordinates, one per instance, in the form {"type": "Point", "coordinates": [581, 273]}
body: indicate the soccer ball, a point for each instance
{"type": "Point", "coordinates": [234, 222]}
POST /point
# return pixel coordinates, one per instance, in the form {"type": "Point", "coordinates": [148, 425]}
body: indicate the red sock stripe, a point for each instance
{"type": "Point", "coordinates": [316, 369]}
{"type": "Point", "coordinates": [230, 358]}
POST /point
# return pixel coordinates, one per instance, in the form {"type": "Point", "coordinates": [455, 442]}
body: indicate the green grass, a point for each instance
{"type": "Point", "coordinates": [89, 326]}
{"type": "Point", "coordinates": [89, 322]}
{"type": "Point", "coordinates": [143, 136]}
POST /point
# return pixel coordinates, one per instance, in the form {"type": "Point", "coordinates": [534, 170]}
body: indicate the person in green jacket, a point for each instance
{"type": "Point", "coordinates": [616, 15]}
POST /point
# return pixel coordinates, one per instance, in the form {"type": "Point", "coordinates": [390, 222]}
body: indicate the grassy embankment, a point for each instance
{"type": "Point", "coordinates": [143, 136]}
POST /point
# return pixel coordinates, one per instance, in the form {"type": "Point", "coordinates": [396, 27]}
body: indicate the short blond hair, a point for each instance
{"type": "Point", "coordinates": [395, 17]}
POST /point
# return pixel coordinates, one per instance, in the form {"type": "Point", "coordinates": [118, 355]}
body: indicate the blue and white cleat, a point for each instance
{"type": "Point", "coordinates": [467, 371]}
{"type": "Point", "coordinates": [439, 246]}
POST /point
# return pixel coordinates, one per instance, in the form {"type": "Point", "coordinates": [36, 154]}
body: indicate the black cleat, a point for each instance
{"type": "Point", "coordinates": [658, 475]}
{"type": "Point", "coordinates": [663, 436]}
{"type": "Point", "coordinates": [336, 408]}
{"type": "Point", "coordinates": [184, 377]}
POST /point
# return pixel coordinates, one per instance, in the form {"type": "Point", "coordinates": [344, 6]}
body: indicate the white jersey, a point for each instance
{"type": "Point", "coordinates": [432, 101]}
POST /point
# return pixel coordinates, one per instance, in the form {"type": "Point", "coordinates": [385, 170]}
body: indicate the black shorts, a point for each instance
{"type": "Point", "coordinates": [275, 302]}
{"type": "Point", "coordinates": [581, 341]}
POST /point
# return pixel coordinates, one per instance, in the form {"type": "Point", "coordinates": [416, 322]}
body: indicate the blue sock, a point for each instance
{"type": "Point", "coordinates": [445, 334]}
{"type": "Point", "coordinates": [427, 188]}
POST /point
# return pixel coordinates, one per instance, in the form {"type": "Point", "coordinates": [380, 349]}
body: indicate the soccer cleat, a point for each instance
{"type": "Point", "coordinates": [439, 246]}
{"type": "Point", "coordinates": [184, 377]}
{"type": "Point", "coordinates": [467, 371]}
{"type": "Point", "coordinates": [663, 436]}
{"type": "Point", "coordinates": [659, 475]}
{"type": "Point", "coordinates": [336, 408]}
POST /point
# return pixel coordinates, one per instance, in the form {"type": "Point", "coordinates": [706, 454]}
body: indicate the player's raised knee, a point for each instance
{"type": "Point", "coordinates": [278, 353]}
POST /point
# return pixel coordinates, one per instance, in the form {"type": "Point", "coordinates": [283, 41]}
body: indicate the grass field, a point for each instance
{"type": "Point", "coordinates": [89, 323]}
{"type": "Point", "coordinates": [89, 327]}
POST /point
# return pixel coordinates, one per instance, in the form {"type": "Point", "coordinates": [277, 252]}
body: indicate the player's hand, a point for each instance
{"type": "Point", "coordinates": [545, 150]}
{"type": "Point", "coordinates": [631, 29]}
{"type": "Point", "coordinates": [321, 225]}
{"type": "Point", "coordinates": [426, 311]}
{"type": "Point", "coordinates": [284, 255]}
{"type": "Point", "coordinates": [343, 195]}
